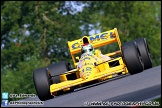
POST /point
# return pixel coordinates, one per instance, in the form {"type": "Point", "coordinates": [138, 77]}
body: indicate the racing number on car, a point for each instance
{"type": "Point", "coordinates": [88, 69]}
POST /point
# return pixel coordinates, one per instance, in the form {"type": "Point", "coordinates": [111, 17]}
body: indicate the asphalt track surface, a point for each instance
{"type": "Point", "coordinates": [143, 86]}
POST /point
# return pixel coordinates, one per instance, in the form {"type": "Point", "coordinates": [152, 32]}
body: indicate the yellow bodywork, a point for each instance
{"type": "Point", "coordinates": [93, 68]}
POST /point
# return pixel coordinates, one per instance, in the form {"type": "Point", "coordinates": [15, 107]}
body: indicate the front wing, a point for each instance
{"type": "Point", "coordinates": [108, 73]}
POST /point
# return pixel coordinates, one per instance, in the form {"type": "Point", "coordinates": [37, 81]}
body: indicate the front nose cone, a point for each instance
{"type": "Point", "coordinates": [87, 72]}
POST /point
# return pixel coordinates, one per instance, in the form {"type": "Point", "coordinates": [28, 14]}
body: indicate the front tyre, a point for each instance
{"type": "Point", "coordinates": [56, 70]}
{"type": "Point", "coordinates": [42, 84]}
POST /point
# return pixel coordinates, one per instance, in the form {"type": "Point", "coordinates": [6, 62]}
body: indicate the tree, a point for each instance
{"type": "Point", "coordinates": [133, 19]}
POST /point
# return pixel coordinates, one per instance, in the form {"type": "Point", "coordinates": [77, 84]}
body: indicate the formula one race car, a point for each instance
{"type": "Point", "coordinates": [58, 78]}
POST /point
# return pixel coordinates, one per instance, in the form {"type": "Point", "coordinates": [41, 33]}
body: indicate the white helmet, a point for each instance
{"type": "Point", "coordinates": [87, 48]}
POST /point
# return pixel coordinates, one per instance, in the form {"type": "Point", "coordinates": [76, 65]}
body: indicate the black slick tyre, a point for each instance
{"type": "Point", "coordinates": [132, 57]}
{"type": "Point", "coordinates": [42, 84]}
{"type": "Point", "coordinates": [145, 52]}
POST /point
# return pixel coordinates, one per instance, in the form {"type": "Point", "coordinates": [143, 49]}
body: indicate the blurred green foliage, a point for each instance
{"type": "Point", "coordinates": [34, 34]}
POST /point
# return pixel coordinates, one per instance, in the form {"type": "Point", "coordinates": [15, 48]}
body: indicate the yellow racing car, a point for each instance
{"type": "Point", "coordinates": [58, 78]}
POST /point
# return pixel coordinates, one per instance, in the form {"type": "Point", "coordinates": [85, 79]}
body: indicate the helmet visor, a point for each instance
{"type": "Point", "coordinates": [88, 48]}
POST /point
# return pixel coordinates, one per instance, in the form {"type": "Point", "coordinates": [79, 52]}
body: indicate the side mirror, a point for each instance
{"type": "Point", "coordinates": [77, 58]}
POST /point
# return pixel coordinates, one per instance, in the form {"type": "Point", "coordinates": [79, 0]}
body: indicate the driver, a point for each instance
{"type": "Point", "coordinates": [88, 48]}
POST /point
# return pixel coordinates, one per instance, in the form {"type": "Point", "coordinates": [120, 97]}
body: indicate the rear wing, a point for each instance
{"type": "Point", "coordinates": [96, 40]}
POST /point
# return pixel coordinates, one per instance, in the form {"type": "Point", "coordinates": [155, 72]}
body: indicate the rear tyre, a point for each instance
{"type": "Point", "coordinates": [132, 57]}
{"type": "Point", "coordinates": [42, 84]}
{"type": "Point", "coordinates": [145, 52]}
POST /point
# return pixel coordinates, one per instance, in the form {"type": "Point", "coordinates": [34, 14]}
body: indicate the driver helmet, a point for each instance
{"type": "Point", "coordinates": [87, 48]}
